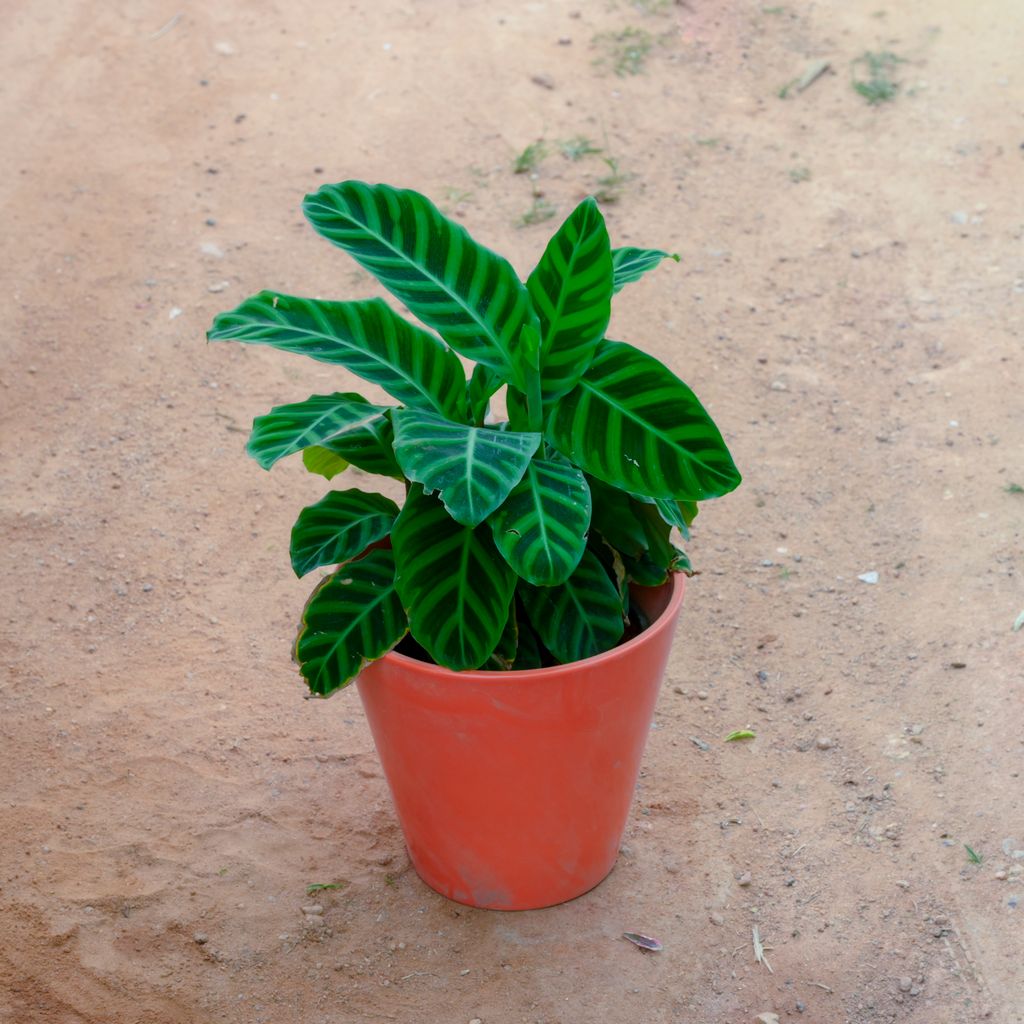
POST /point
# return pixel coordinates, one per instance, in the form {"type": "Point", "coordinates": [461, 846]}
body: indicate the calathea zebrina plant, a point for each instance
{"type": "Point", "coordinates": [518, 540]}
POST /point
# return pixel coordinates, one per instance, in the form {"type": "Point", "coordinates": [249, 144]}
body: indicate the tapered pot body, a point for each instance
{"type": "Point", "coordinates": [513, 788]}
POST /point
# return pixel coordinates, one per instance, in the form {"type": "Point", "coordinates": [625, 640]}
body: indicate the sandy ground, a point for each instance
{"type": "Point", "coordinates": [849, 305]}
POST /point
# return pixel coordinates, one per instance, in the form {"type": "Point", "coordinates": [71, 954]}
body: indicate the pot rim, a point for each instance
{"type": "Point", "coordinates": [677, 581]}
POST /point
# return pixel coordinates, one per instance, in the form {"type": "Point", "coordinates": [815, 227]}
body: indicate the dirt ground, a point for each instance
{"type": "Point", "coordinates": [849, 306]}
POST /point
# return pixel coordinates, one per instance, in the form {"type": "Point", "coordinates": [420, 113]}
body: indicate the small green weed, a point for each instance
{"type": "Point", "coordinates": [973, 856]}
{"type": "Point", "coordinates": [578, 147]}
{"type": "Point", "coordinates": [740, 734]}
{"type": "Point", "coordinates": [709, 141]}
{"type": "Point", "coordinates": [624, 52]}
{"type": "Point", "coordinates": [609, 187]}
{"type": "Point", "coordinates": [773, 10]}
{"type": "Point", "coordinates": [324, 887]}
{"type": "Point", "coordinates": [1012, 488]}
{"type": "Point", "coordinates": [530, 158]}
{"type": "Point", "coordinates": [540, 211]}
{"type": "Point", "coordinates": [879, 86]}
{"type": "Point", "coordinates": [799, 174]}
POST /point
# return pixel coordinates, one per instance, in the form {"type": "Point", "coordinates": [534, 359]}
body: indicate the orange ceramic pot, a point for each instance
{"type": "Point", "coordinates": [513, 788]}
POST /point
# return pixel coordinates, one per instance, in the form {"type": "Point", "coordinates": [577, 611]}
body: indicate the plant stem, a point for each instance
{"type": "Point", "coordinates": [534, 410]}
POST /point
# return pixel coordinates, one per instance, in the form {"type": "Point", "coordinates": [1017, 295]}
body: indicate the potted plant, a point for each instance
{"type": "Point", "coordinates": [509, 625]}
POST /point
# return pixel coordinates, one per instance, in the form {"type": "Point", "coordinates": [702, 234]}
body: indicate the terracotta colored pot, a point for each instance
{"type": "Point", "coordinates": [513, 788]}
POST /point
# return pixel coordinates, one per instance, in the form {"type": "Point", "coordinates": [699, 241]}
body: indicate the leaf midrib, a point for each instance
{"type": "Point", "coordinates": [474, 316]}
{"type": "Point", "coordinates": [396, 370]}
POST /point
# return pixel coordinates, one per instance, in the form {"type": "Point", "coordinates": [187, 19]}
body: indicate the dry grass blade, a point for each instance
{"type": "Point", "coordinates": [759, 949]}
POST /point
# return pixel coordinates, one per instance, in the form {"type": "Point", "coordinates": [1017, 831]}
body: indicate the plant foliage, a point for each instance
{"type": "Point", "coordinates": [517, 541]}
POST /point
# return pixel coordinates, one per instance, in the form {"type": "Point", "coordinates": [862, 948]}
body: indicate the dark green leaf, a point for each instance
{"type": "Point", "coordinates": [541, 528]}
{"type": "Point", "coordinates": [631, 264]}
{"type": "Point", "coordinates": [505, 653]}
{"type": "Point", "coordinates": [345, 423]}
{"type": "Point", "coordinates": [635, 425]}
{"type": "Point", "coordinates": [571, 292]}
{"type": "Point", "coordinates": [353, 617]}
{"type": "Point", "coordinates": [579, 618]}
{"type": "Point", "coordinates": [340, 526]}
{"type": "Point", "coordinates": [323, 462]}
{"type": "Point", "coordinates": [469, 294]}
{"type": "Point", "coordinates": [483, 382]}
{"type": "Point", "coordinates": [676, 513]}
{"type": "Point", "coordinates": [528, 652]}
{"type": "Point", "coordinates": [615, 518]}
{"type": "Point", "coordinates": [473, 468]}
{"type": "Point", "coordinates": [366, 337]}
{"type": "Point", "coordinates": [453, 582]}
{"type": "Point", "coordinates": [644, 570]}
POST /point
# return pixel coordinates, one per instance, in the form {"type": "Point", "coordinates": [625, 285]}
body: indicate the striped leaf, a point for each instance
{"type": "Point", "coordinates": [541, 528]}
{"type": "Point", "coordinates": [347, 424]}
{"type": "Point", "coordinates": [322, 462]}
{"type": "Point", "coordinates": [340, 526]}
{"type": "Point", "coordinates": [581, 617]}
{"type": "Point", "coordinates": [472, 468]}
{"type": "Point", "coordinates": [633, 424]}
{"type": "Point", "coordinates": [505, 653]}
{"type": "Point", "coordinates": [631, 264]}
{"type": "Point", "coordinates": [353, 617]}
{"type": "Point", "coordinates": [366, 337]}
{"type": "Point", "coordinates": [454, 584]}
{"type": "Point", "coordinates": [571, 292]}
{"type": "Point", "coordinates": [469, 294]}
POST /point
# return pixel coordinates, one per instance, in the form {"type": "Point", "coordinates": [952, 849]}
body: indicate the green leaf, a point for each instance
{"type": "Point", "coordinates": [473, 468]}
{"type": "Point", "coordinates": [366, 337]}
{"type": "Point", "coordinates": [581, 617]}
{"type": "Point", "coordinates": [483, 382]}
{"type": "Point", "coordinates": [571, 292]}
{"type": "Point", "coordinates": [541, 528]}
{"type": "Point", "coordinates": [345, 423]}
{"type": "Point", "coordinates": [505, 653]}
{"type": "Point", "coordinates": [635, 425]}
{"type": "Point", "coordinates": [631, 264]}
{"type": "Point", "coordinates": [469, 294]}
{"type": "Point", "coordinates": [741, 734]}
{"type": "Point", "coordinates": [644, 570]}
{"type": "Point", "coordinates": [340, 526]}
{"type": "Point", "coordinates": [323, 462]}
{"type": "Point", "coordinates": [615, 518]}
{"type": "Point", "coordinates": [352, 618]}
{"type": "Point", "coordinates": [676, 513]}
{"type": "Point", "coordinates": [528, 652]}
{"type": "Point", "coordinates": [453, 582]}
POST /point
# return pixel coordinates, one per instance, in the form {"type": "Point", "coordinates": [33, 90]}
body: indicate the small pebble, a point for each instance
{"type": "Point", "coordinates": [218, 286]}
{"type": "Point", "coordinates": [200, 938]}
{"type": "Point", "coordinates": [313, 910]}
{"type": "Point", "coordinates": [868, 577]}
{"type": "Point", "coordinates": [716, 918]}
{"type": "Point", "coordinates": [745, 879]}
{"type": "Point", "coordinates": [476, 1020]}
{"type": "Point", "coordinates": [1000, 876]}
{"type": "Point", "coordinates": [905, 984]}
{"type": "Point", "coordinates": [766, 1018]}
{"type": "Point", "coordinates": [544, 81]}
{"type": "Point", "coordinates": [702, 695]}
{"type": "Point", "coordinates": [824, 743]}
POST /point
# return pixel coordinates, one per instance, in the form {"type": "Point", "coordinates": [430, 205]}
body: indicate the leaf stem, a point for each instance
{"type": "Point", "coordinates": [534, 410]}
